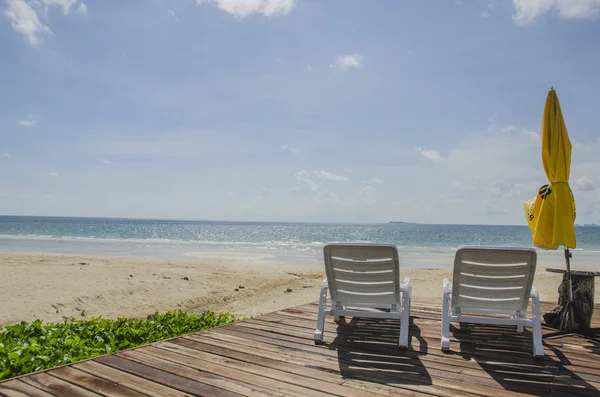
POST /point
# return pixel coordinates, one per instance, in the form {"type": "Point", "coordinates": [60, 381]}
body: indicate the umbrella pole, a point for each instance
{"type": "Point", "coordinates": [568, 319]}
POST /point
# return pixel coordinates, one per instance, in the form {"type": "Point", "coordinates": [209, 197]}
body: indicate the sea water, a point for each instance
{"type": "Point", "coordinates": [420, 245]}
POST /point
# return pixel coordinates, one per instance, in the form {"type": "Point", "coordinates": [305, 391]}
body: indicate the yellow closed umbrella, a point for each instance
{"type": "Point", "coordinates": [551, 213]}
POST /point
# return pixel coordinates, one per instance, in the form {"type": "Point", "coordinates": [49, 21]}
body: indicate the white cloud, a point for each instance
{"type": "Point", "coordinates": [508, 128]}
{"type": "Point", "coordinates": [526, 11]}
{"type": "Point", "coordinates": [455, 183]}
{"type": "Point", "coordinates": [230, 194]}
{"type": "Point", "coordinates": [429, 154]}
{"type": "Point", "coordinates": [52, 173]}
{"type": "Point", "coordinates": [24, 20]}
{"type": "Point", "coordinates": [581, 146]}
{"type": "Point", "coordinates": [5, 154]}
{"type": "Point", "coordinates": [377, 181]}
{"type": "Point", "coordinates": [105, 161]}
{"type": "Point", "coordinates": [349, 62]}
{"type": "Point", "coordinates": [64, 4]}
{"type": "Point", "coordinates": [26, 123]}
{"type": "Point", "coordinates": [484, 14]}
{"type": "Point", "coordinates": [530, 134]}
{"type": "Point", "coordinates": [583, 184]}
{"type": "Point", "coordinates": [82, 9]}
{"type": "Point", "coordinates": [295, 150]}
{"type": "Point", "coordinates": [243, 8]}
{"type": "Point", "coordinates": [330, 176]}
{"type": "Point", "coordinates": [171, 14]}
{"type": "Point", "coordinates": [264, 193]}
{"type": "Point", "coordinates": [303, 180]}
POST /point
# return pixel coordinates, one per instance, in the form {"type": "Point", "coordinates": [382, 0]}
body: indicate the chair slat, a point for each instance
{"type": "Point", "coordinates": [366, 277]}
{"type": "Point", "coordinates": [349, 298]}
{"type": "Point", "coordinates": [366, 287]}
{"type": "Point", "coordinates": [362, 266]}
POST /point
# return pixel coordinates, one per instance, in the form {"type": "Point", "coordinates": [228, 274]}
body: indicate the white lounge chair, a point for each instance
{"type": "Point", "coordinates": [364, 276]}
{"type": "Point", "coordinates": [492, 281]}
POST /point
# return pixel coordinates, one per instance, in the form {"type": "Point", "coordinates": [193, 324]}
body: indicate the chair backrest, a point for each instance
{"type": "Point", "coordinates": [363, 274]}
{"type": "Point", "coordinates": [492, 279]}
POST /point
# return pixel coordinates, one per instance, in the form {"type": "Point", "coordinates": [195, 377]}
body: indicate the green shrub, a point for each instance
{"type": "Point", "coordinates": [29, 347]}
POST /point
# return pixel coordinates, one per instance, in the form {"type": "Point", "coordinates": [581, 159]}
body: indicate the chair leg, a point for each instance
{"type": "Point", "coordinates": [336, 318]}
{"type": "Point", "coordinates": [446, 315]}
{"type": "Point", "coordinates": [321, 317]}
{"type": "Point", "coordinates": [520, 328]}
{"type": "Point", "coordinates": [538, 348]}
{"type": "Point", "coordinates": [405, 320]}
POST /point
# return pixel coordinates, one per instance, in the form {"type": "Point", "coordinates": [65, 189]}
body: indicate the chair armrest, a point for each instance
{"type": "Point", "coordinates": [534, 293]}
{"type": "Point", "coordinates": [405, 286]}
{"type": "Point", "coordinates": [446, 286]}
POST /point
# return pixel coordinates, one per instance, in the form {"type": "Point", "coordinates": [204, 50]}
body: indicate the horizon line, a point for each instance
{"type": "Point", "coordinates": [256, 221]}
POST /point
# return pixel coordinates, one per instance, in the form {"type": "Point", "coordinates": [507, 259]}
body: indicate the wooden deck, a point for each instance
{"type": "Point", "coordinates": [274, 355]}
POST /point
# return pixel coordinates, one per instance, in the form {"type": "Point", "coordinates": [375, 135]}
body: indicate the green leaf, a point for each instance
{"type": "Point", "coordinates": [27, 347]}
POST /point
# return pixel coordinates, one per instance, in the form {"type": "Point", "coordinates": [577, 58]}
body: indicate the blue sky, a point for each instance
{"type": "Point", "coordinates": [293, 110]}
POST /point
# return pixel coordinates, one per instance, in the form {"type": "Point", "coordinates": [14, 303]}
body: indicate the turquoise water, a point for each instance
{"type": "Point", "coordinates": [422, 245]}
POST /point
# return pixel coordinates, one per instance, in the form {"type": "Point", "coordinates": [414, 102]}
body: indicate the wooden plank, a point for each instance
{"type": "Point", "coordinates": [379, 332]}
{"type": "Point", "coordinates": [230, 368]}
{"type": "Point", "coordinates": [304, 376]}
{"type": "Point", "coordinates": [368, 361]}
{"type": "Point", "coordinates": [289, 342]}
{"type": "Point", "coordinates": [56, 386]}
{"type": "Point", "coordinates": [18, 388]}
{"type": "Point", "coordinates": [146, 387]}
{"type": "Point", "coordinates": [97, 385]}
{"type": "Point", "coordinates": [156, 358]}
{"type": "Point", "coordinates": [326, 376]}
{"type": "Point", "coordinates": [333, 363]}
{"type": "Point", "coordinates": [525, 360]}
{"type": "Point", "coordinates": [165, 378]}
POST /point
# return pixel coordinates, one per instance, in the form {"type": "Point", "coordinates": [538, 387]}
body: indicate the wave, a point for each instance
{"type": "Point", "coordinates": [282, 246]}
{"type": "Point", "coordinates": [282, 243]}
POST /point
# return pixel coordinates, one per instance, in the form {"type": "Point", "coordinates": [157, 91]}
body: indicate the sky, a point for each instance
{"type": "Point", "coordinates": [293, 110]}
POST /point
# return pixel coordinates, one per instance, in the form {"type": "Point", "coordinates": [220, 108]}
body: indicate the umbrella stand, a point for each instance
{"type": "Point", "coordinates": [567, 316]}
{"type": "Point", "coordinates": [564, 316]}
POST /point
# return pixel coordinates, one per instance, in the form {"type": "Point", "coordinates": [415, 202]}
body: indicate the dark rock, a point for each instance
{"type": "Point", "coordinates": [186, 279]}
{"type": "Point", "coordinates": [287, 291]}
{"type": "Point", "coordinates": [237, 289]}
{"type": "Point", "coordinates": [131, 275]}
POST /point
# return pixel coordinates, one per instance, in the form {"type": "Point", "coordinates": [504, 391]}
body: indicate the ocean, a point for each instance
{"type": "Point", "coordinates": [419, 245]}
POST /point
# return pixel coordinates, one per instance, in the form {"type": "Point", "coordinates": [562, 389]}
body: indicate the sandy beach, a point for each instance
{"type": "Point", "coordinates": [54, 287]}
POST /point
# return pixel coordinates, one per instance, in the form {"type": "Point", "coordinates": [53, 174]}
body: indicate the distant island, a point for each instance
{"type": "Point", "coordinates": [404, 223]}
{"type": "Point", "coordinates": [587, 225]}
